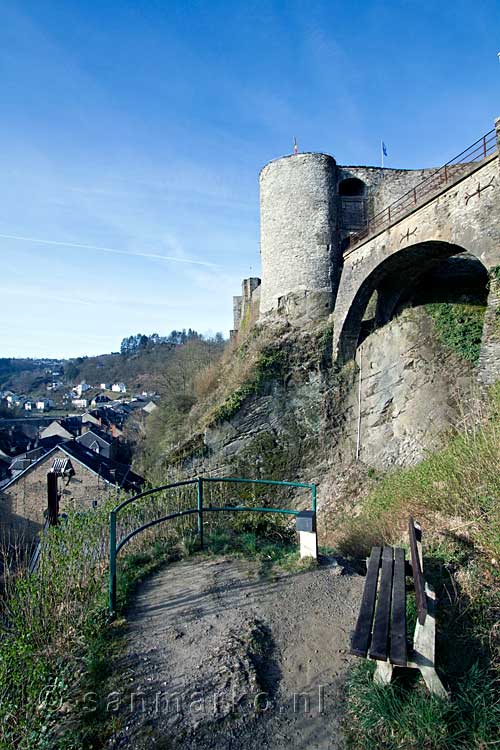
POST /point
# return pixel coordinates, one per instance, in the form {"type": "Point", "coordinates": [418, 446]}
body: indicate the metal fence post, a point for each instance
{"type": "Point", "coordinates": [313, 502]}
{"type": "Point", "coordinates": [112, 561]}
{"type": "Point", "coordinates": [200, 511]}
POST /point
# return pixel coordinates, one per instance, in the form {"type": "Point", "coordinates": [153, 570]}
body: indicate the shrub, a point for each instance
{"type": "Point", "coordinates": [460, 327]}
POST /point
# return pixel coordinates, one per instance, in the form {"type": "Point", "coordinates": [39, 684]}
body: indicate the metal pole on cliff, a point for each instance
{"type": "Point", "coordinates": [358, 440]}
{"type": "Point", "coordinates": [112, 562]}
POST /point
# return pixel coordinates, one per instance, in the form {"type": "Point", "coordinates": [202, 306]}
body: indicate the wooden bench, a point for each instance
{"type": "Point", "coordinates": [380, 631]}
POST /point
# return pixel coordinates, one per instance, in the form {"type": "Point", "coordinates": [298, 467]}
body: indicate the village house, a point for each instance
{"type": "Point", "coordinates": [101, 398]}
{"type": "Point", "coordinates": [14, 401]}
{"type": "Point", "coordinates": [98, 441]}
{"type": "Point", "coordinates": [81, 388]}
{"type": "Point", "coordinates": [56, 428]}
{"type": "Point", "coordinates": [90, 419]}
{"type": "Point", "coordinates": [86, 479]}
{"type": "Point", "coordinates": [44, 404]}
{"type": "Point", "coordinates": [80, 403]}
{"type": "Point", "coordinates": [119, 388]}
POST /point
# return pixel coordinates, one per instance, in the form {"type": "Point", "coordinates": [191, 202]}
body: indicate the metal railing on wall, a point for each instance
{"type": "Point", "coordinates": [199, 510]}
{"type": "Point", "coordinates": [450, 173]}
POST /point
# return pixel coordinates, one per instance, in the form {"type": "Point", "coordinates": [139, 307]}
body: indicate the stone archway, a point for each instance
{"type": "Point", "coordinates": [393, 282]}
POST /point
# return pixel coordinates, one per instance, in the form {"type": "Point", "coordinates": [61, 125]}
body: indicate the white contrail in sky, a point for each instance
{"type": "Point", "coordinates": [113, 250]}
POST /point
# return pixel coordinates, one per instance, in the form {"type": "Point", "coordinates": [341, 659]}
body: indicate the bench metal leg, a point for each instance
{"type": "Point", "coordinates": [383, 673]}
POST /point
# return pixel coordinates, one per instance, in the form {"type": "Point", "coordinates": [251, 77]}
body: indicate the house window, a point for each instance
{"type": "Point", "coordinates": [94, 503]}
{"type": "Point", "coordinates": [95, 447]}
{"type": "Point", "coordinates": [63, 467]}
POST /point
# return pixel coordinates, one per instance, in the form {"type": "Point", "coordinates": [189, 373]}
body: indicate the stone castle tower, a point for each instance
{"type": "Point", "coordinates": [309, 208]}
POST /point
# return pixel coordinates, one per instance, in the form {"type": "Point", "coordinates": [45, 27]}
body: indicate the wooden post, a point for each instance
{"type": "Point", "coordinates": [424, 646]}
{"type": "Point", "coordinates": [52, 499]}
{"type": "Point", "coordinates": [383, 673]}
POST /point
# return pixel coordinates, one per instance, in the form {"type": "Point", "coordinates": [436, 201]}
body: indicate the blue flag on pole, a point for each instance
{"type": "Point", "coordinates": [384, 148]}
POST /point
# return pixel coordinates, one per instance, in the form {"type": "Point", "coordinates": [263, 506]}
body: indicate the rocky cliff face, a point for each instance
{"type": "Point", "coordinates": [411, 391]}
{"type": "Point", "coordinates": [305, 424]}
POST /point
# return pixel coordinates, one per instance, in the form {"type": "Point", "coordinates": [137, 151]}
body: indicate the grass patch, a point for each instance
{"type": "Point", "coordinates": [460, 482]}
{"type": "Point", "coordinates": [394, 717]}
{"type": "Point", "coordinates": [270, 364]}
{"type": "Point", "coordinates": [459, 326]}
{"type": "Point", "coordinates": [270, 552]}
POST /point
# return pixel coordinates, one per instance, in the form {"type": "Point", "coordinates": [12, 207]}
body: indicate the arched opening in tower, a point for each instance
{"type": "Point", "coordinates": [353, 204]}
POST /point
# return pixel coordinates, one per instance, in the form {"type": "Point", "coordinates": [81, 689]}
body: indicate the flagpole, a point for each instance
{"type": "Point", "coordinates": [382, 152]}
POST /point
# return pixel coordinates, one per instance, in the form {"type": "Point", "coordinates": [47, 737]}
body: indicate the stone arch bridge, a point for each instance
{"type": "Point", "coordinates": [460, 214]}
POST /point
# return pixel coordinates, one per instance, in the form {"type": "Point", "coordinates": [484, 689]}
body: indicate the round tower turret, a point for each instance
{"type": "Point", "coordinates": [298, 222]}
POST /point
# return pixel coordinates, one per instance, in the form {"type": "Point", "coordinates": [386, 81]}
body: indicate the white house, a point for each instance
{"type": "Point", "coordinates": [81, 388]}
{"type": "Point", "coordinates": [119, 388]}
{"type": "Point", "coordinates": [80, 403]}
{"type": "Point", "coordinates": [44, 404]}
{"type": "Point", "coordinates": [105, 386]}
{"type": "Point", "coordinates": [15, 402]}
{"type": "Point", "coordinates": [28, 405]}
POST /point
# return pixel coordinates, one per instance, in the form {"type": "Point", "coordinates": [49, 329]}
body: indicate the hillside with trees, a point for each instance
{"type": "Point", "coordinates": [140, 363]}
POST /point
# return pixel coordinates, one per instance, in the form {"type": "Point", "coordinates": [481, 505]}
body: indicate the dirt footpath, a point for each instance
{"type": "Point", "coordinates": [219, 656]}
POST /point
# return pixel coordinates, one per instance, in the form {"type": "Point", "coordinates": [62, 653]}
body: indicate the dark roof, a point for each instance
{"type": "Point", "coordinates": [13, 441]}
{"type": "Point", "coordinates": [102, 433]}
{"type": "Point", "coordinates": [72, 424]}
{"type": "Point", "coordinates": [31, 455]}
{"type": "Point", "coordinates": [20, 464]}
{"type": "Point", "coordinates": [102, 436]}
{"type": "Point", "coordinates": [50, 442]}
{"type": "Point", "coordinates": [111, 471]}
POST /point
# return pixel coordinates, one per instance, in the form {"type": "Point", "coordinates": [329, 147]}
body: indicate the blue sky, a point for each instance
{"type": "Point", "coordinates": [132, 134]}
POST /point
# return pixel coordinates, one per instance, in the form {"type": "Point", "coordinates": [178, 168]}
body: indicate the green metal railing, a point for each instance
{"type": "Point", "coordinates": [199, 510]}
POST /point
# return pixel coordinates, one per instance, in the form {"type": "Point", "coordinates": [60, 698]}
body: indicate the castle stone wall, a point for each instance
{"type": "Point", "coordinates": [384, 185]}
{"type": "Point", "coordinates": [237, 307]}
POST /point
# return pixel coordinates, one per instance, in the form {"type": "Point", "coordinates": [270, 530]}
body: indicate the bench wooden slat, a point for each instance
{"type": "Point", "coordinates": [398, 653]}
{"type": "Point", "coordinates": [380, 636]}
{"type": "Point", "coordinates": [360, 639]}
{"type": "Point", "coordinates": [418, 576]}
